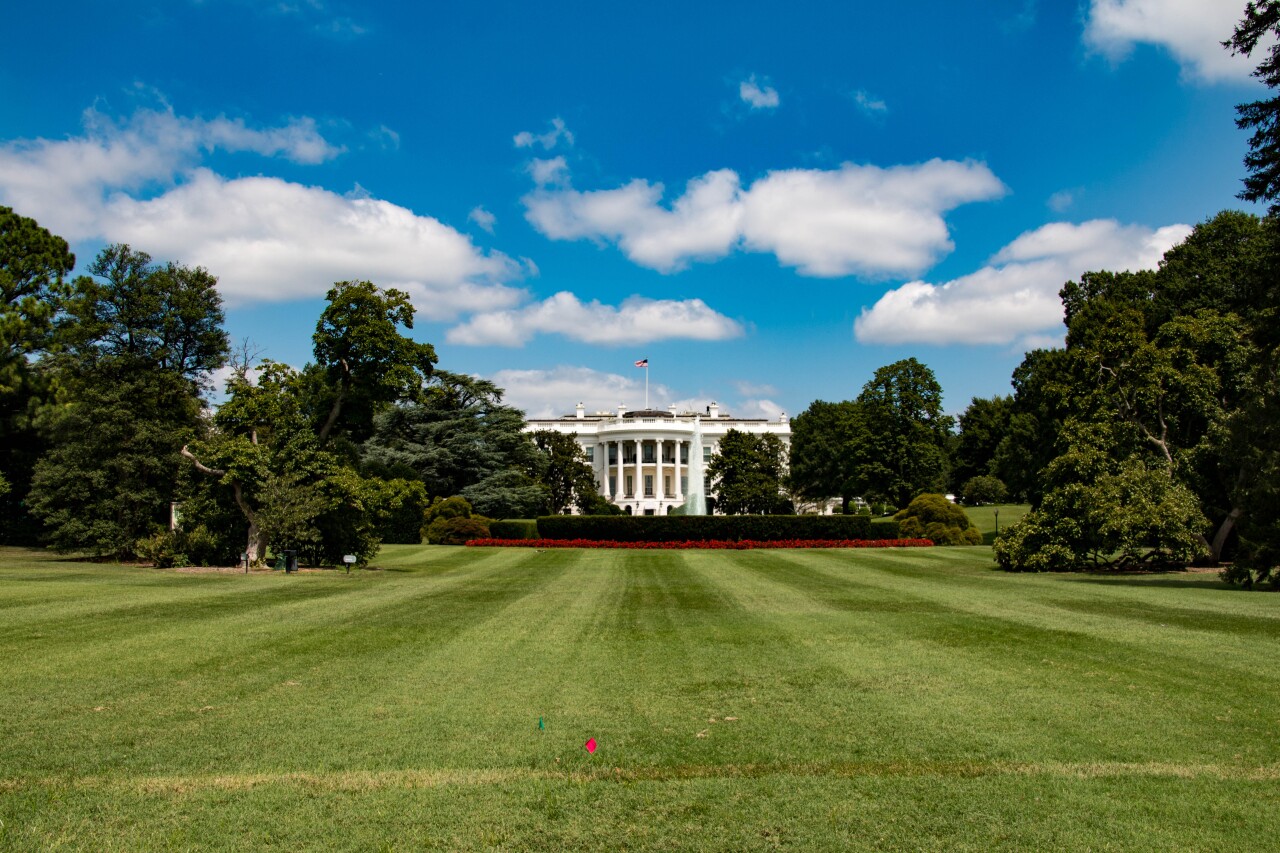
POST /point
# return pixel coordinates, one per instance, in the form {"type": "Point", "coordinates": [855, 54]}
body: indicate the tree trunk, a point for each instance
{"type": "Point", "coordinates": [1224, 530]}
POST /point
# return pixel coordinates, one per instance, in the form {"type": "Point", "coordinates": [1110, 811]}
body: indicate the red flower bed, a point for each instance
{"type": "Point", "coordinates": [713, 545]}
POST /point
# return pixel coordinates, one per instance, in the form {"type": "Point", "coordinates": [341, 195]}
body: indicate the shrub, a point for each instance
{"type": "Point", "coordinates": [160, 549]}
{"type": "Point", "coordinates": [729, 528]}
{"type": "Point", "coordinates": [514, 528]}
{"type": "Point", "coordinates": [983, 489]}
{"type": "Point", "coordinates": [932, 516]}
{"type": "Point", "coordinates": [398, 508]}
{"type": "Point", "coordinates": [457, 531]}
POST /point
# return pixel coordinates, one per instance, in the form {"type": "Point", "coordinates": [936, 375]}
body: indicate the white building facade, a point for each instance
{"type": "Point", "coordinates": [641, 458]}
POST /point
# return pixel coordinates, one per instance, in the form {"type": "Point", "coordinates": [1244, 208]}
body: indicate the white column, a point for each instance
{"type": "Point", "coordinates": [661, 490]}
{"type": "Point", "coordinates": [618, 492]}
{"type": "Point", "coordinates": [679, 490]}
{"type": "Point", "coordinates": [639, 480]}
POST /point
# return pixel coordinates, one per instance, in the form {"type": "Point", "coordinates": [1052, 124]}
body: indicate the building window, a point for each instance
{"type": "Point", "coordinates": [668, 453]}
{"type": "Point", "coordinates": [684, 485]}
{"type": "Point", "coordinates": [613, 454]}
{"type": "Point", "coordinates": [648, 485]}
{"type": "Point", "coordinates": [684, 453]}
{"type": "Point", "coordinates": [648, 512]}
{"type": "Point", "coordinates": [591, 453]}
{"type": "Point", "coordinates": [628, 454]}
{"type": "Point", "coordinates": [666, 484]}
{"type": "Point", "coordinates": [648, 452]}
{"type": "Point", "coordinates": [631, 486]}
{"type": "Point", "coordinates": [706, 454]}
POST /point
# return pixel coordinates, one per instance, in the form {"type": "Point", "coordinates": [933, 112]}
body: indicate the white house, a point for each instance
{"type": "Point", "coordinates": [641, 458]}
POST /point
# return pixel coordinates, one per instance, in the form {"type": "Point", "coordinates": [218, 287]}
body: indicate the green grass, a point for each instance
{"type": "Point", "coordinates": [985, 518]}
{"type": "Point", "coordinates": [741, 700]}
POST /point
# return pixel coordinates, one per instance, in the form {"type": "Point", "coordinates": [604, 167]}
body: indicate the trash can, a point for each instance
{"type": "Point", "coordinates": [290, 561]}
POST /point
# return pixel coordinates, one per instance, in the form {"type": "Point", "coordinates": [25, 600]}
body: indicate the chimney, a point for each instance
{"type": "Point", "coordinates": [672, 409]}
{"type": "Point", "coordinates": [713, 411]}
{"type": "Point", "coordinates": [581, 411]}
{"type": "Point", "coordinates": [621, 408]}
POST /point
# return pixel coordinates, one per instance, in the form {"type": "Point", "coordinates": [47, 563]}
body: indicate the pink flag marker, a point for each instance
{"type": "Point", "coordinates": [590, 745]}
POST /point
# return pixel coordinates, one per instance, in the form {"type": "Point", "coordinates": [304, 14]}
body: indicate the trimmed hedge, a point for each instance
{"type": "Point", "coordinates": [514, 528]}
{"type": "Point", "coordinates": [704, 528]}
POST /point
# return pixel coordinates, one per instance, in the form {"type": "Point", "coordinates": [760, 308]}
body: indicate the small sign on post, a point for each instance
{"type": "Point", "coordinates": [244, 558]}
{"type": "Point", "coordinates": [349, 559]}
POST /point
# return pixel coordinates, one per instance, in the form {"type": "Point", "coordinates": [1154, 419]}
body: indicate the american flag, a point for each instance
{"type": "Point", "coordinates": [644, 362]}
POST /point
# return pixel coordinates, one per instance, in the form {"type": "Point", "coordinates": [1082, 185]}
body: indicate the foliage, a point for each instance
{"type": "Point", "coordinates": [112, 466]}
{"type": "Point", "coordinates": [933, 517]}
{"type": "Point", "coordinates": [457, 434]}
{"type": "Point", "coordinates": [1261, 24]}
{"type": "Point", "coordinates": [172, 548]}
{"type": "Point", "coordinates": [508, 494]}
{"type": "Point", "coordinates": [982, 427]}
{"type": "Point", "coordinates": [457, 531]}
{"type": "Point", "coordinates": [1129, 517]}
{"type": "Point", "coordinates": [565, 472]}
{"type": "Point", "coordinates": [397, 508]}
{"type": "Point", "coordinates": [145, 317]}
{"type": "Point", "coordinates": [905, 444]}
{"type": "Point", "coordinates": [1035, 419]}
{"type": "Point", "coordinates": [514, 528]}
{"type": "Point", "coordinates": [682, 528]}
{"type": "Point", "coordinates": [33, 266]}
{"type": "Point", "coordinates": [824, 442]}
{"type": "Point", "coordinates": [747, 474]}
{"type": "Point", "coordinates": [364, 359]}
{"type": "Point", "coordinates": [983, 489]}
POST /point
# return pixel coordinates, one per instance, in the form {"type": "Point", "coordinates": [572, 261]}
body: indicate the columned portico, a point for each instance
{"type": "Point", "coordinates": [618, 442]}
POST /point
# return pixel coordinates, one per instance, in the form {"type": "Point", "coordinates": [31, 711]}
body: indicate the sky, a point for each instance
{"type": "Point", "coordinates": [767, 201]}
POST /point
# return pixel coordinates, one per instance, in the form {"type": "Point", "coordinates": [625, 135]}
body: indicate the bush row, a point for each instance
{"type": "Point", "coordinates": [720, 528]}
{"type": "Point", "coordinates": [707, 544]}
{"type": "Point", "coordinates": [514, 528]}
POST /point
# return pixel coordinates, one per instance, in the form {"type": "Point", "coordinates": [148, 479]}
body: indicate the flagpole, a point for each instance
{"type": "Point", "coordinates": [646, 383]}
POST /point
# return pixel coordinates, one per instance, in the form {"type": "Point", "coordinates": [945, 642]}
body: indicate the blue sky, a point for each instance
{"type": "Point", "coordinates": [768, 201]}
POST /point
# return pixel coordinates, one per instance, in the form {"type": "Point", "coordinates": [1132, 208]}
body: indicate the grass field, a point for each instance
{"type": "Point", "coordinates": [749, 700]}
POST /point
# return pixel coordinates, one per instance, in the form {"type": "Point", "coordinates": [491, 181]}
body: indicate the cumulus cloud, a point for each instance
{"type": "Point", "coordinates": [1191, 30]}
{"type": "Point", "coordinates": [139, 181]}
{"type": "Point", "coordinates": [545, 172]}
{"type": "Point", "coordinates": [1015, 297]}
{"type": "Point", "coordinates": [558, 133]}
{"type": "Point", "coordinates": [759, 95]}
{"type": "Point", "coordinates": [857, 219]}
{"type": "Point", "coordinates": [637, 320]}
{"type": "Point", "coordinates": [555, 392]}
{"type": "Point", "coordinates": [482, 218]}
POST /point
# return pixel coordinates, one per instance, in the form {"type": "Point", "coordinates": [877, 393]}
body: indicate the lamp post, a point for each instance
{"type": "Point", "coordinates": [997, 521]}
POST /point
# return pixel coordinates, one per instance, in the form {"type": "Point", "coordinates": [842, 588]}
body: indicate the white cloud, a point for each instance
{"type": "Point", "coordinates": [1014, 297]}
{"type": "Point", "coordinates": [637, 320]}
{"type": "Point", "coordinates": [548, 140]}
{"type": "Point", "coordinates": [265, 238]}
{"type": "Point", "coordinates": [552, 393]}
{"type": "Point", "coordinates": [870, 104]}
{"type": "Point", "coordinates": [853, 220]}
{"type": "Point", "coordinates": [548, 171]}
{"type": "Point", "coordinates": [482, 218]}
{"type": "Point", "coordinates": [761, 96]}
{"type": "Point", "coordinates": [1191, 30]}
{"type": "Point", "coordinates": [1060, 201]}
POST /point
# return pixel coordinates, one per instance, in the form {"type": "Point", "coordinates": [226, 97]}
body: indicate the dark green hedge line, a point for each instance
{"type": "Point", "coordinates": [703, 528]}
{"type": "Point", "coordinates": [514, 528]}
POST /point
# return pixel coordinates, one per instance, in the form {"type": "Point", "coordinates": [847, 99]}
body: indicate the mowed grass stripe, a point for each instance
{"type": "Point", "coordinates": [365, 780]}
{"type": "Point", "coordinates": [973, 679]}
{"type": "Point", "coordinates": [245, 688]}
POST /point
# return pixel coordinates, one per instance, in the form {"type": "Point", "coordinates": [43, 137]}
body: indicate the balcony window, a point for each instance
{"type": "Point", "coordinates": [648, 452]}
{"type": "Point", "coordinates": [648, 485]}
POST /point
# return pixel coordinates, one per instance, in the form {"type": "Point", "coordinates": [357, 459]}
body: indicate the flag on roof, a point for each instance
{"type": "Point", "coordinates": [644, 362]}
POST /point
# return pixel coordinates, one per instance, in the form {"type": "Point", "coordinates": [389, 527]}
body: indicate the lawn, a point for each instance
{"type": "Point", "coordinates": [740, 700]}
